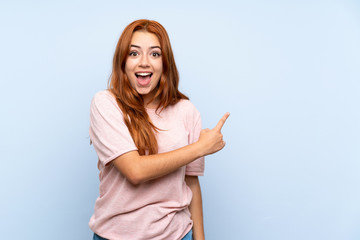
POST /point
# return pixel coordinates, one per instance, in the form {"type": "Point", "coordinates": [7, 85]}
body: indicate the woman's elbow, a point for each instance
{"type": "Point", "coordinates": [135, 177]}
{"type": "Point", "coordinates": [128, 166]}
{"type": "Point", "coordinates": [133, 174]}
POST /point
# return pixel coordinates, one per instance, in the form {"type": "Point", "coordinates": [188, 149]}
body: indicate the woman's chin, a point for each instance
{"type": "Point", "coordinates": [145, 91]}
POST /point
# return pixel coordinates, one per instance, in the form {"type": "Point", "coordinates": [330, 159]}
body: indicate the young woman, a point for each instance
{"type": "Point", "coordinates": [150, 145]}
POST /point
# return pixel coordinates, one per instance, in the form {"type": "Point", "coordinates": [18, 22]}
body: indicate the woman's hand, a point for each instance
{"type": "Point", "coordinates": [211, 140]}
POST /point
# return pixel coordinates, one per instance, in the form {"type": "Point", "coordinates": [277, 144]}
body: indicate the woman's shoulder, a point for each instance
{"type": "Point", "coordinates": [104, 95]}
{"type": "Point", "coordinates": [188, 108]}
{"type": "Point", "coordinates": [186, 104]}
{"type": "Point", "coordinates": [104, 100]}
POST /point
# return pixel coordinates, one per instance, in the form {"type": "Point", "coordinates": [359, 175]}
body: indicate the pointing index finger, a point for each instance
{"type": "Point", "coordinates": [222, 122]}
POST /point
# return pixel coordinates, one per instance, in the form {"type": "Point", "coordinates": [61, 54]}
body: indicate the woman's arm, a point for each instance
{"type": "Point", "coordinates": [195, 207]}
{"type": "Point", "coordinates": [138, 169]}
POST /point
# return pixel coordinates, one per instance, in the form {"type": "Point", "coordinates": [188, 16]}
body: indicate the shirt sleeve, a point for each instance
{"type": "Point", "coordinates": [108, 131]}
{"type": "Point", "coordinates": [197, 167]}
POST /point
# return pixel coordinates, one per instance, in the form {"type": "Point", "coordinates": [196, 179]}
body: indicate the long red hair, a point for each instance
{"type": "Point", "coordinates": [129, 100]}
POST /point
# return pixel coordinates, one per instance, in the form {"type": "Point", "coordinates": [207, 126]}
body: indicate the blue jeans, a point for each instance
{"type": "Point", "coordinates": [188, 236]}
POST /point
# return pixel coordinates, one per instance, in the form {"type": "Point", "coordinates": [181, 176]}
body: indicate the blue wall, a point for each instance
{"type": "Point", "coordinates": [288, 72]}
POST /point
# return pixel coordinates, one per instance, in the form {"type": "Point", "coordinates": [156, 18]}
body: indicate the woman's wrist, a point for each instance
{"type": "Point", "coordinates": [199, 149]}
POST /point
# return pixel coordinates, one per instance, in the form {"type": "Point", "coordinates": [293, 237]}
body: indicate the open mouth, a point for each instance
{"type": "Point", "coordinates": [143, 75]}
{"type": "Point", "coordinates": [143, 78]}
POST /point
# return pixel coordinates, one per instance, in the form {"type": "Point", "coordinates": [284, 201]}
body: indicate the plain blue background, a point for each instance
{"type": "Point", "coordinates": [288, 71]}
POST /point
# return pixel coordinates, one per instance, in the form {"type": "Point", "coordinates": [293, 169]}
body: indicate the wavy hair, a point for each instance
{"type": "Point", "coordinates": [129, 100]}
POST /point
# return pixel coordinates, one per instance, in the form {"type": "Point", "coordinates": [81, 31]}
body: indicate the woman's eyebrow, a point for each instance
{"type": "Point", "coordinates": [136, 46]}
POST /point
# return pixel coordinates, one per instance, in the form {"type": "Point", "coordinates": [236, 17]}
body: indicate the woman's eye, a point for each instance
{"type": "Point", "coordinates": [133, 54]}
{"type": "Point", "coordinates": [156, 54]}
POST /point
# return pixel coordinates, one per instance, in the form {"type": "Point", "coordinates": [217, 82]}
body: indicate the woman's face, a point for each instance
{"type": "Point", "coordinates": [144, 66]}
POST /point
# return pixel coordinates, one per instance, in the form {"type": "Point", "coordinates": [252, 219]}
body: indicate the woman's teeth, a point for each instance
{"type": "Point", "coordinates": [143, 74]}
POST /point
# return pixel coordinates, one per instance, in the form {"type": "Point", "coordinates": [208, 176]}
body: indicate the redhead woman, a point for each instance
{"type": "Point", "coordinates": [150, 145]}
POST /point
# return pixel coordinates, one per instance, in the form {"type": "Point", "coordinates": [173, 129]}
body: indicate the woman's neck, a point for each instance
{"type": "Point", "coordinates": [151, 104]}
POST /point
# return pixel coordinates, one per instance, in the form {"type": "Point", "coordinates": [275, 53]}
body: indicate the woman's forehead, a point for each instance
{"type": "Point", "coordinates": [144, 39]}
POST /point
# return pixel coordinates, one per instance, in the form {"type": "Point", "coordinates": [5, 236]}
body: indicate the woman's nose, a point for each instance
{"type": "Point", "coordinates": [144, 61]}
